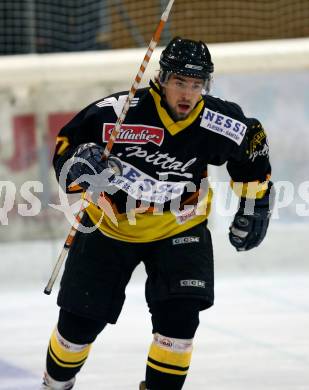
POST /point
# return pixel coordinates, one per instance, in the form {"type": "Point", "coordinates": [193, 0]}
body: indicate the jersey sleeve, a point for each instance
{"type": "Point", "coordinates": [76, 132]}
{"type": "Point", "coordinates": [249, 167]}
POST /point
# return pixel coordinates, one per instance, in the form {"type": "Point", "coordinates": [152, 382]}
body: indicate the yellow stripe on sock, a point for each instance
{"type": "Point", "coordinates": [162, 355]}
{"type": "Point", "coordinates": [162, 358]}
{"type": "Point", "coordinates": [61, 364]}
{"type": "Point", "coordinates": [64, 357]}
{"type": "Point", "coordinates": [166, 370]}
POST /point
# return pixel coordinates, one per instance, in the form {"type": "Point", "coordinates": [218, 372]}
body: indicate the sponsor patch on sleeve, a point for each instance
{"type": "Point", "coordinates": [259, 145]}
{"type": "Point", "coordinates": [224, 125]}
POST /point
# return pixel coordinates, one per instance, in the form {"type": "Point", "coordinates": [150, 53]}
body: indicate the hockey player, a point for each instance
{"type": "Point", "coordinates": [160, 204]}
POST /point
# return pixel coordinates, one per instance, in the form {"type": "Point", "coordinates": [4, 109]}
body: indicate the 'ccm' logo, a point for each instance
{"type": "Point", "coordinates": [192, 283]}
{"type": "Point", "coordinates": [185, 240]}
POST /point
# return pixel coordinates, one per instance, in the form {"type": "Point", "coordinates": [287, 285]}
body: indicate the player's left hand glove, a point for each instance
{"type": "Point", "coordinates": [248, 230]}
{"type": "Point", "coordinates": [89, 171]}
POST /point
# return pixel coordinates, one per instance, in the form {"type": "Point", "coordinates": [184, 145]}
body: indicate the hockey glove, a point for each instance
{"type": "Point", "coordinates": [89, 171]}
{"type": "Point", "coordinates": [249, 229]}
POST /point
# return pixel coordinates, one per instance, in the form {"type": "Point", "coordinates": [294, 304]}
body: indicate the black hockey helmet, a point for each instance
{"type": "Point", "coordinates": [188, 58]}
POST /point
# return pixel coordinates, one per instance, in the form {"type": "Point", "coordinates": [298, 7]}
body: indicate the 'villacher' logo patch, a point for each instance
{"type": "Point", "coordinates": [135, 134]}
{"type": "Point", "coordinates": [224, 125]}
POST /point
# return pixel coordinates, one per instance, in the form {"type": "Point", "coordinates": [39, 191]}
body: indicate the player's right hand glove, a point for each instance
{"type": "Point", "coordinates": [248, 230]}
{"type": "Point", "coordinates": [89, 171]}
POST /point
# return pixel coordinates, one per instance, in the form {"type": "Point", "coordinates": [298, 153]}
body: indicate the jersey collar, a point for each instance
{"type": "Point", "coordinates": [172, 126]}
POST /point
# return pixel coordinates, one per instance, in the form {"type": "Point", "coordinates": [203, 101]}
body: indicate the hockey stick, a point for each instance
{"type": "Point", "coordinates": [153, 43]}
{"type": "Point", "coordinates": [69, 240]}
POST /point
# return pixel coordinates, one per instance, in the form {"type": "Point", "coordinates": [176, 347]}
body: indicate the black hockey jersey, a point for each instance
{"type": "Point", "coordinates": [163, 189]}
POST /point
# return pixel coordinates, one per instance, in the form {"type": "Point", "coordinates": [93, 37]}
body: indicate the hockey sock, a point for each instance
{"type": "Point", "coordinates": [168, 363]}
{"type": "Point", "coordinates": [50, 383]}
{"type": "Point", "coordinates": [65, 359]}
{"type": "Point", "coordinates": [69, 346]}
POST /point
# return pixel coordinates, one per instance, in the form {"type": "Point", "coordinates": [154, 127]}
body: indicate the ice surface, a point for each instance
{"type": "Point", "coordinates": [256, 336]}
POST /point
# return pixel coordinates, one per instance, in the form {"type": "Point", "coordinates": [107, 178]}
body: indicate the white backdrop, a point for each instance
{"type": "Point", "coordinates": [256, 335]}
{"type": "Point", "coordinates": [39, 93]}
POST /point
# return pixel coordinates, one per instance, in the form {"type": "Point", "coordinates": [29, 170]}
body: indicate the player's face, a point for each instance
{"type": "Point", "coordinates": [181, 94]}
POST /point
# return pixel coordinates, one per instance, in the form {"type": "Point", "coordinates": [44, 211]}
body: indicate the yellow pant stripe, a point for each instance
{"type": "Point", "coordinates": [162, 355]}
{"type": "Point", "coordinates": [166, 370]}
{"type": "Point", "coordinates": [65, 356]}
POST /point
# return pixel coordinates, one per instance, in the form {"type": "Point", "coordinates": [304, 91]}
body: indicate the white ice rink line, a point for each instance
{"type": "Point", "coordinates": [255, 337]}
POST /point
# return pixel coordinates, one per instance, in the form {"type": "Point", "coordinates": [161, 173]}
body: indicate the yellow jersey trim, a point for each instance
{"type": "Point", "coordinates": [172, 126]}
{"type": "Point", "coordinates": [149, 226]}
{"type": "Point", "coordinates": [64, 144]}
{"type": "Point", "coordinates": [250, 190]}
